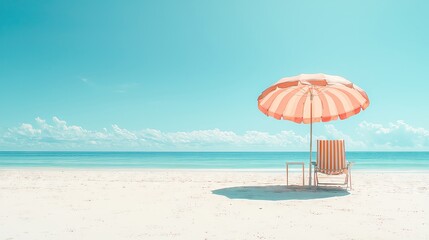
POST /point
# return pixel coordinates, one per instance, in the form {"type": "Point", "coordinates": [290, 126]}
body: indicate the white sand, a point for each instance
{"type": "Point", "coordinates": [144, 204]}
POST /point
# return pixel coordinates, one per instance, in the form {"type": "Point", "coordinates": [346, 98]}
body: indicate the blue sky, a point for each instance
{"type": "Point", "coordinates": [185, 75]}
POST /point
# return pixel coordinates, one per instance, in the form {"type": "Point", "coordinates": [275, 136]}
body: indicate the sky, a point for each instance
{"type": "Point", "coordinates": [168, 75]}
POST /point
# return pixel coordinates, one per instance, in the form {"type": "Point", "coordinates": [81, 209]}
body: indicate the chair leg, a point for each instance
{"type": "Point", "coordinates": [350, 176]}
{"type": "Point", "coordinates": [316, 181]}
{"type": "Point", "coordinates": [347, 180]}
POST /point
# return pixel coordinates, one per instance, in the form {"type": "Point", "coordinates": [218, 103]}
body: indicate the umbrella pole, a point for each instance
{"type": "Point", "coordinates": [311, 143]}
{"type": "Point", "coordinates": [311, 136]}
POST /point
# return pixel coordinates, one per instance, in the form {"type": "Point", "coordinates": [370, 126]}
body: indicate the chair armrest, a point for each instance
{"type": "Point", "coordinates": [313, 163]}
{"type": "Point", "coordinates": [350, 164]}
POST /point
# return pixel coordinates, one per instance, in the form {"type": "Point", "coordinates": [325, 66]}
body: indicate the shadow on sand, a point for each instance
{"type": "Point", "coordinates": [280, 192]}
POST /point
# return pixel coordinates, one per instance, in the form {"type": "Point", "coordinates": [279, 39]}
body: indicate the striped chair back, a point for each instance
{"type": "Point", "coordinates": [331, 157]}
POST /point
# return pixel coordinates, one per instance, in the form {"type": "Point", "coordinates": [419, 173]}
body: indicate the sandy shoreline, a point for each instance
{"type": "Point", "coordinates": [199, 204]}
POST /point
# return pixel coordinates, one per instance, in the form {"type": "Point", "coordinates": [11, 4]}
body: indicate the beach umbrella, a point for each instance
{"type": "Point", "coordinates": [309, 98]}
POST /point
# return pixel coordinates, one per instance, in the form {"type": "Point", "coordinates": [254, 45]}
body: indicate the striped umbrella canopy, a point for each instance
{"type": "Point", "coordinates": [309, 98]}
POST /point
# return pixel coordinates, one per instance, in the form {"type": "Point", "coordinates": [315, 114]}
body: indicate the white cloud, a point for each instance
{"type": "Point", "coordinates": [123, 133]}
{"type": "Point", "coordinates": [59, 135]}
{"type": "Point", "coordinates": [351, 143]}
{"type": "Point", "coordinates": [394, 136]}
{"type": "Point", "coordinates": [27, 130]}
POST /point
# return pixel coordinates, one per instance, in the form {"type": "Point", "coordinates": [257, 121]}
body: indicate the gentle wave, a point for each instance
{"type": "Point", "coordinates": [394, 161]}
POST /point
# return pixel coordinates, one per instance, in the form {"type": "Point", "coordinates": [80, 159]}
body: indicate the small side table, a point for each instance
{"type": "Point", "coordinates": [287, 171]}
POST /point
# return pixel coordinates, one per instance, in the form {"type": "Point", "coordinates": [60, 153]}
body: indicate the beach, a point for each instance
{"type": "Point", "coordinates": [208, 204]}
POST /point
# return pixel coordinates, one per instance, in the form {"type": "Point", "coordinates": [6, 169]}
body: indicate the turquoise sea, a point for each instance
{"type": "Point", "coordinates": [395, 161]}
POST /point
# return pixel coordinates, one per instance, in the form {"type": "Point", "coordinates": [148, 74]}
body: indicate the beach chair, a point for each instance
{"type": "Point", "coordinates": [331, 160]}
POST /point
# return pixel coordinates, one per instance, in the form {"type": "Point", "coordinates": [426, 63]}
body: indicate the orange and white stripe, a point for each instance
{"type": "Point", "coordinates": [331, 158]}
{"type": "Point", "coordinates": [333, 97]}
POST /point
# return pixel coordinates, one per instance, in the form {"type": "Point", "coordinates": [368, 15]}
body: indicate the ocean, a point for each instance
{"type": "Point", "coordinates": [387, 161]}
